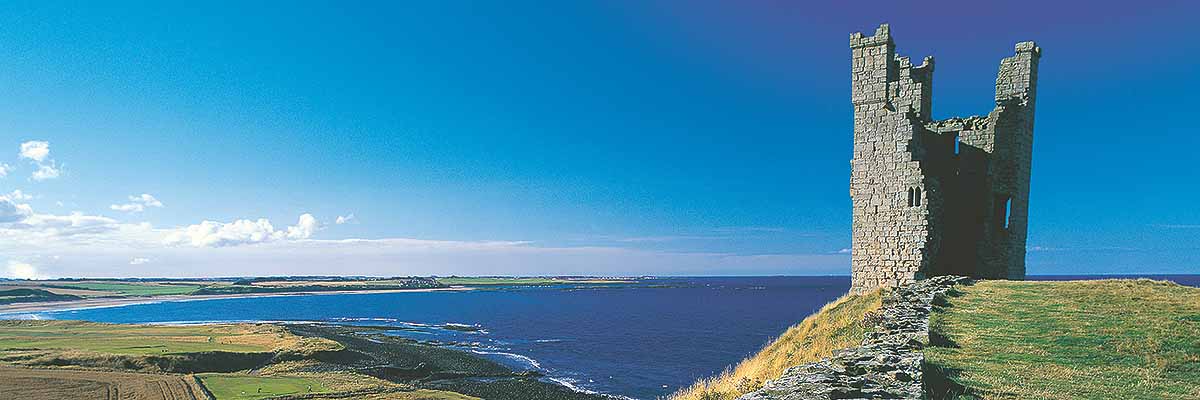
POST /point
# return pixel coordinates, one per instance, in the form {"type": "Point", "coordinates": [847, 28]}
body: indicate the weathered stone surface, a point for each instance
{"type": "Point", "coordinates": [936, 197]}
{"type": "Point", "coordinates": [886, 366]}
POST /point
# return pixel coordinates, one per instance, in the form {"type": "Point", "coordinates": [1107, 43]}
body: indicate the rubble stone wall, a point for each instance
{"type": "Point", "coordinates": [889, 363]}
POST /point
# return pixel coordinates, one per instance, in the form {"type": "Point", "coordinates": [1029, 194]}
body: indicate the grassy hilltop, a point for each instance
{"type": "Point", "coordinates": [1129, 339]}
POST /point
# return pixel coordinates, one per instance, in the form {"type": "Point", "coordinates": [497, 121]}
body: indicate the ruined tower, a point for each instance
{"type": "Point", "coordinates": [936, 197]}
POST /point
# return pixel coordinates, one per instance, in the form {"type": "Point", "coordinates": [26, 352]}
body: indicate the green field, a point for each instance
{"type": "Point", "coordinates": [1105, 339]}
{"type": "Point", "coordinates": [497, 281]}
{"type": "Point", "coordinates": [134, 289]}
{"type": "Point", "coordinates": [251, 387]}
{"type": "Point", "coordinates": [140, 339]}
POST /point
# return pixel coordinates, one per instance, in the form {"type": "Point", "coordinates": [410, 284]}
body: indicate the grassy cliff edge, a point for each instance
{"type": "Point", "coordinates": [839, 324]}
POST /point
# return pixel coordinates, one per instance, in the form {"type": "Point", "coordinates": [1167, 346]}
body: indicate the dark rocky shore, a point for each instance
{"type": "Point", "coordinates": [428, 366]}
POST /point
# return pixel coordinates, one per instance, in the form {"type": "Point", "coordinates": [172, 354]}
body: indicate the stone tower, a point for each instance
{"type": "Point", "coordinates": [936, 197]}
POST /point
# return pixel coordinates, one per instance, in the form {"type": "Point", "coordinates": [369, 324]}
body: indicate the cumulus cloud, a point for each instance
{"type": "Point", "coordinates": [346, 219]}
{"type": "Point", "coordinates": [242, 231]}
{"type": "Point", "coordinates": [138, 204]}
{"type": "Point", "coordinates": [139, 261]}
{"type": "Point", "coordinates": [46, 171]}
{"type": "Point", "coordinates": [21, 270]}
{"type": "Point", "coordinates": [39, 153]}
{"type": "Point", "coordinates": [304, 228]}
{"type": "Point", "coordinates": [4, 168]}
{"type": "Point", "coordinates": [18, 195]}
{"type": "Point", "coordinates": [11, 211]}
{"type": "Point", "coordinates": [35, 150]}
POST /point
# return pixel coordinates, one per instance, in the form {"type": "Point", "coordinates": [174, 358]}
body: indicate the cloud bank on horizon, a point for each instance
{"type": "Point", "coordinates": [40, 245]}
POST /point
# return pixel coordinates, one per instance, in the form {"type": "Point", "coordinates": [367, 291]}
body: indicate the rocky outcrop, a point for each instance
{"type": "Point", "coordinates": [886, 366]}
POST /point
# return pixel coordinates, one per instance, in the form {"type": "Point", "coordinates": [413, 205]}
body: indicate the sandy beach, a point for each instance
{"type": "Point", "coordinates": [101, 302]}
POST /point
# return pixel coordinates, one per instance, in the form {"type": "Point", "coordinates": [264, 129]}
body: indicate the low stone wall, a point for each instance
{"type": "Point", "coordinates": [886, 366]}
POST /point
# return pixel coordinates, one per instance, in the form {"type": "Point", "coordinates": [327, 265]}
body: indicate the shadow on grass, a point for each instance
{"type": "Point", "coordinates": [942, 384]}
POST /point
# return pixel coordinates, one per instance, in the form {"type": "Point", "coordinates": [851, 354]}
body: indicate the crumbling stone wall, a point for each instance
{"type": "Point", "coordinates": [888, 364]}
{"type": "Point", "coordinates": [936, 197]}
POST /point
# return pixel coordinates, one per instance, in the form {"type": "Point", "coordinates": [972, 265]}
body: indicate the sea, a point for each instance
{"type": "Point", "coordinates": [642, 341]}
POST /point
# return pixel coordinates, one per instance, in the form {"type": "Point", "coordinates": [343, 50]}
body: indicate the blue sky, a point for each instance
{"type": "Point", "coordinates": [665, 137]}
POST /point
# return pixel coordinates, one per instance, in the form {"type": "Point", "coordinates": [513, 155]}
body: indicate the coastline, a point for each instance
{"type": "Point", "coordinates": [105, 302]}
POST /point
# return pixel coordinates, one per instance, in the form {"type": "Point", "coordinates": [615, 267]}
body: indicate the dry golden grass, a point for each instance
{"type": "Point", "coordinates": [837, 325]}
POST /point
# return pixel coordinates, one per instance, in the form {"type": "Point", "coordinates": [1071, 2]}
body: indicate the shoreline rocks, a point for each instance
{"type": "Point", "coordinates": [888, 363]}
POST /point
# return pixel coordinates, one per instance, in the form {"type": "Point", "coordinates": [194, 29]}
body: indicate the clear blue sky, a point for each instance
{"type": "Point", "coordinates": [662, 137]}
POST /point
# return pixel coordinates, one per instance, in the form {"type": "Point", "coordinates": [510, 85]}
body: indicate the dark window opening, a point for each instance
{"type": "Point", "coordinates": [957, 143]}
{"type": "Point", "coordinates": [1003, 212]}
{"type": "Point", "coordinates": [1007, 212]}
{"type": "Point", "coordinates": [914, 197]}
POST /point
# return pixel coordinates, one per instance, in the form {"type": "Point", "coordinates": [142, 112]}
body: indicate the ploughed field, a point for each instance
{"type": "Point", "coordinates": [59, 384]}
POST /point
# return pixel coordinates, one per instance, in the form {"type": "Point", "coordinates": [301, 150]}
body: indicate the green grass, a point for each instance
{"type": "Point", "coordinates": [251, 387]}
{"type": "Point", "coordinates": [134, 289]}
{"type": "Point", "coordinates": [838, 325]}
{"type": "Point", "coordinates": [1127, 339]}
{"type": "Point", "coordinates": [496, 281]}
{"type": "Point", "coordinates": [139, 339]}
{"type": "Point", "coordinates": [25, 295]}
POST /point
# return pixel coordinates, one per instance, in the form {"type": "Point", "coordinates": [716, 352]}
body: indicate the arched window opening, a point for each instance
{"type": "Point", "coordinates": [957, 143]}
{"type": "Point", "coordinates": [917, 197]}
{"type": "Point", "coordinates": [910, 197]}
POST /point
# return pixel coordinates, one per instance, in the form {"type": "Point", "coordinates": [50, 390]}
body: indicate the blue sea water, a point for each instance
{"type": "Point", "coordinates": [637, 342]}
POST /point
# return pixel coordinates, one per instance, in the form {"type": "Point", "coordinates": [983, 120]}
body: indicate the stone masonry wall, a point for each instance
{"type": "Point", "coordinates": [888, 364]}
{"type": "Point", "coordinates": [892, 239]}
{"type": "Point", "coordinates": [936, 197]}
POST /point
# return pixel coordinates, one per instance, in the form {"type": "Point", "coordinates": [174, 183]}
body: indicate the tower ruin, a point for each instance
{"type": "Point", "coordinates": [936, 197]}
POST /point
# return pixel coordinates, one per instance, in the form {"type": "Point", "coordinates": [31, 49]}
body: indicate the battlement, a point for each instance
{"type": "Point", "coordinates": [883, 35]}
{"type": "Point", "coordinates": [936, 197]}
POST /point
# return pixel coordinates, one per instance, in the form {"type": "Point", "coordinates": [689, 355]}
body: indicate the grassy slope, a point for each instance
{"type": "Point", "coordinates": [1071, 340]}
{"type": "Point", "coordinates": [134, 289]}
{"type": "Point", "coordinates": [241, 386]}
{"type": "Point", "coordinates": [838, 325]}
{"type": "Point", "coordinates": [148, 339]}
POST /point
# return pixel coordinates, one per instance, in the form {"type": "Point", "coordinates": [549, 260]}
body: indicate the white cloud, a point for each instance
{"type": "Point", "coordinates": [18, 195]}
{"type": "Point", "coordinates": [39, 153]}
{"type": "Point", "coordinates": [346, 219]}
{"type": "Point", "coordinates": [12, 212]}
{"type": "Point", "coordinates": [21, 270]}
{"type": "Point", "coordinates": [240, 232]}
{"type": "Point", "coordinates": [88, 245]}
{"type": "Point", "coordinates": [35, 150]}
{"type": "Point", "coordinates": [4, 168]}
{"type": "Point", "coordinates": [46, 171]}
{"type": "Point", "coordinates": [844, 251]}
{"type": "Point", "coordinates": [138, 204]}
{"type": "Point", "coordinates": [304, 228]}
